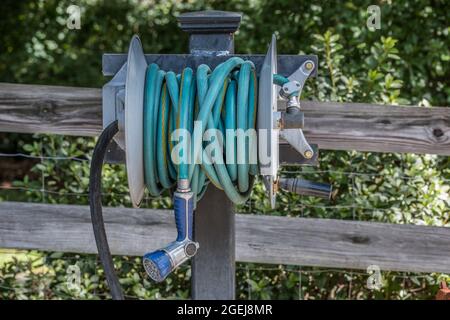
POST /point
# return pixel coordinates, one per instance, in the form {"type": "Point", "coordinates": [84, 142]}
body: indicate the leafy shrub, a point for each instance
{"type": "Point", "coordinates": [399, 64]}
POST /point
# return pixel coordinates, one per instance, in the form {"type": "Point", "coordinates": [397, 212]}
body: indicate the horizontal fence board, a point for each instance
{"type": "Point", "coordinates": [50, 109]}
{"type": "Point", "coordinates": [334, 126]}
{"type": "Point", "coordinates": [259, 238]}
{"type": "Point", "coordinates": [380, 128]}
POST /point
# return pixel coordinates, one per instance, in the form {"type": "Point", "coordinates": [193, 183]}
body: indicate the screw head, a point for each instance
{"type": "Point", "coordinates": [308, 154]}
{"type": "Point", "coordinates": [190, 249]}
{"type": "Point", "coordinates": [309, 65]}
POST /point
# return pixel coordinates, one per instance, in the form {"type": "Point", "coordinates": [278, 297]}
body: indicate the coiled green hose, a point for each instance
{"type": "Point", "coordinates": [223, 99]}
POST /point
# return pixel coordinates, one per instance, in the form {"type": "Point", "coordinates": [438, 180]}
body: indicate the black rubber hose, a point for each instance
{"type": "Point", "coordinates": [95, 202]}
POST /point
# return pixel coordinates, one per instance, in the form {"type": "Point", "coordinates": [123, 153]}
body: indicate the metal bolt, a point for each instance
{"type": "Point", "coordinates": [309, 65]}
{"type": "Point", "coordinates": [275, 186]}
{"type": "Point", "coordinates": [279, 124]}
{"type": "Point", "coordinates": [308, 154]}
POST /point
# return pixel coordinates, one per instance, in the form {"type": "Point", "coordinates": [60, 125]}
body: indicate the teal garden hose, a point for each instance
{"type": "Point", "coordinates": [223, 99]}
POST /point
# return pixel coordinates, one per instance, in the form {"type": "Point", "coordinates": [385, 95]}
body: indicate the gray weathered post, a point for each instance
{"type": "Point", "coordinates": [213, 268]}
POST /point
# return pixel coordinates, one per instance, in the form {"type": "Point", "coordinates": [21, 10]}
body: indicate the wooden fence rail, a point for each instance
{"type": "Point", "coordinates": [259, 238]}
{"type": "Point", "coordinates": [265, 239]}
{"type": "Point", "coordinates": [334, 126]}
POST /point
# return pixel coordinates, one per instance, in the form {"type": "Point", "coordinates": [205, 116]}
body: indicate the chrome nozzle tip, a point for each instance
{"type": "Point", "coordinates": [157, 265]}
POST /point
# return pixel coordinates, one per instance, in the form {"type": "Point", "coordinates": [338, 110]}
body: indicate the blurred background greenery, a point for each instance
{"type": "Point", "coordinates": [405, 62]}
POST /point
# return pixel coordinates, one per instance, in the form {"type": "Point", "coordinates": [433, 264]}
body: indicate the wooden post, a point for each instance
{"type": "Point", "coordinates": [213, 268]}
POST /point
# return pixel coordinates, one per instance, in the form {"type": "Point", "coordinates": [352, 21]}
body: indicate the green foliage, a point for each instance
{"type": "Point", "coordinates": [406, 62]}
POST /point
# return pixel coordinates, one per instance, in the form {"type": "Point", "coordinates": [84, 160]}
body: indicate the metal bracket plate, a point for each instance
{"type": "Point", "coordinates": [287, 64]}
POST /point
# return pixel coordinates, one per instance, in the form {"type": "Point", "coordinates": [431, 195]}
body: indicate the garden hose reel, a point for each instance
{"type": "Point", "coordinates": [124, 101]}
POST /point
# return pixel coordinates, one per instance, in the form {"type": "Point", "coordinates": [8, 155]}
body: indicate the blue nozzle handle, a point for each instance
{"type": "Point", "coordinates": [160, 263]}
{"type": "Point", "coordinates": [183, 205]}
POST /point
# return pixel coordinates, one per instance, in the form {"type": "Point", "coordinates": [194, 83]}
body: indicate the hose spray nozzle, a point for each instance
{"type": "Point", "coordinates": [160, 263]}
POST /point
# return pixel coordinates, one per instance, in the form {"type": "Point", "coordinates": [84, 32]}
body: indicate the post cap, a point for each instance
{"type": "Point", "coordinates": [210, 21]}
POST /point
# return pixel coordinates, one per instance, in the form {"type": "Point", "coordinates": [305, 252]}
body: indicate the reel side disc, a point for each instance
{"type": "Point", "coordinates": [134, 105]}
{"type": "Point", "coordinates": [267, 129]}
